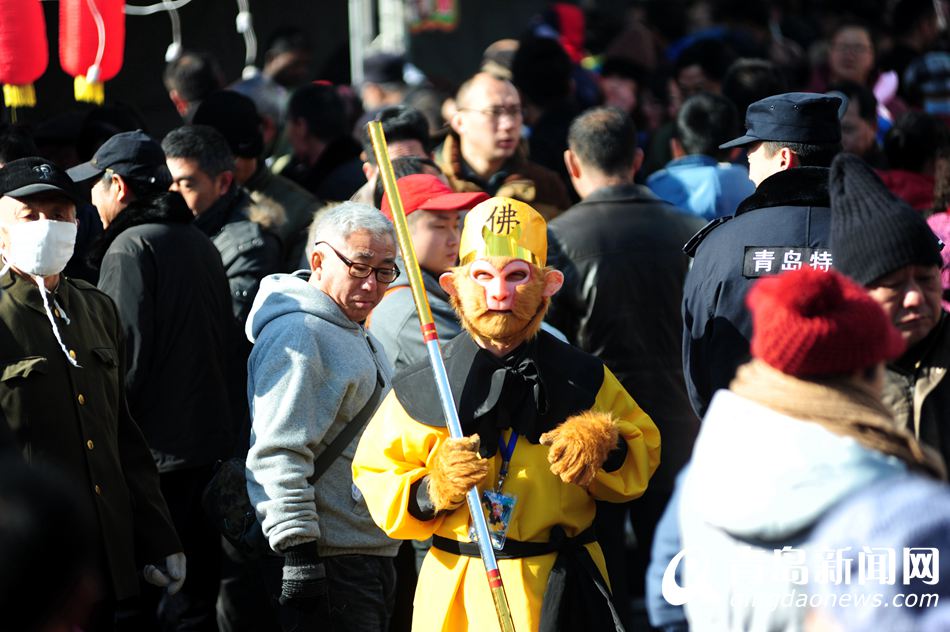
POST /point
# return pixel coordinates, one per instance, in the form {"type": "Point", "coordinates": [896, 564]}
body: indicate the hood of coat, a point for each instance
{"type": "Point", "coordinates": [282, 294]}
{"type": "Point", "coordinates": [429, 280]}
{"type": "Point", "coordinates": [756, 473]}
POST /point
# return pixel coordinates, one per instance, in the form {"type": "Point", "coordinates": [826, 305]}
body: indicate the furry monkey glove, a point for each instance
{"type": "Point", "coordinates": [580, 445]}
{"type": "Point", "coordinates": [456, 467]}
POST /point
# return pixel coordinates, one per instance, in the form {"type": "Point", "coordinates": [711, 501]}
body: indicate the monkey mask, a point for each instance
{"type": "Point", "coordinates": [501, 289]}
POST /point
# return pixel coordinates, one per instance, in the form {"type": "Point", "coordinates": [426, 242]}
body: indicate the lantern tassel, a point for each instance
{"type": "Point", "coordinates": [19, 96]}
{"type": "Point", "coordinates": [89, 91]}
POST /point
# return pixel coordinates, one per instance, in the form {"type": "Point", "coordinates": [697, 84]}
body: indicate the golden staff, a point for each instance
{"type": "Point", "coordinates": [431, 338]}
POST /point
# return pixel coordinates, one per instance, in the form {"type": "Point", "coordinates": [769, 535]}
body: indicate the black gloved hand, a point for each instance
{"type": "Point", "coordinates": [304, 582]}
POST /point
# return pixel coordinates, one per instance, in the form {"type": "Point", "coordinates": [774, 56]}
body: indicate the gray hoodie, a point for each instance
{"type": "Point", "coordinates": [395, 321]}
{"type": "Point", "coordinates": [311, 371]}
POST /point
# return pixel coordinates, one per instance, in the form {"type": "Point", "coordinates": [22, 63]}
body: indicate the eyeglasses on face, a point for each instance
{"type": "Point", "coordinates": [495, 113]}
{"type": "Point", "coordinates": [363, 270]}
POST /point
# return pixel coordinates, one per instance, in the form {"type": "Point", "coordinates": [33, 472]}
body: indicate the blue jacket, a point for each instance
{"type": "Point", "coordinates": [702, 186]}
{"type": "Point", "coordinates": [784, 223]}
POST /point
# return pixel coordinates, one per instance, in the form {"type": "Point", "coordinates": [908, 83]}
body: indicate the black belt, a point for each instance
{"type": "Point", "coordinates": [515, 549]}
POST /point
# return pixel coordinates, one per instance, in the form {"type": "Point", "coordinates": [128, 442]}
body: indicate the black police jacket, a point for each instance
{"type": "Point", "coordinates": [621, 254]}
{"type": "Point", "coordinates": [784, 224]}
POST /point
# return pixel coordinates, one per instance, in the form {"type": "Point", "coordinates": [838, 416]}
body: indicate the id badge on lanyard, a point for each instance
{"type": "Point", "coordinates": [499, 506]}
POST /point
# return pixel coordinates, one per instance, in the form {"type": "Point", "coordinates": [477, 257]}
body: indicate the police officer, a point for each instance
{"type": "Point", "coordinates": [791, 139]}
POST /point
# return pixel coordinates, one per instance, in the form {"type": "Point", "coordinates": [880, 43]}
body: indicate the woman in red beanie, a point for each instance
{"type": "Point", "coordinates": [800, 428]}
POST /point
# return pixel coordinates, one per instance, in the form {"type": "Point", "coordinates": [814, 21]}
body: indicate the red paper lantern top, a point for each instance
{"type": "Point", "coordinates": [24, 53]}
{"type": "Point", "coordinates": [80, 44]}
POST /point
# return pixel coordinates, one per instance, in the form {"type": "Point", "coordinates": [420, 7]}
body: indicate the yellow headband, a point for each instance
{"type": "Point", "coordinates": [504, 227]}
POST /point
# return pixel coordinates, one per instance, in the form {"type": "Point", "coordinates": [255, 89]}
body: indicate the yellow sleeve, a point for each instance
{"type": "Point", "coordinates": [643, 445]}
{"type": "Point", "coordinates": [392, 454]}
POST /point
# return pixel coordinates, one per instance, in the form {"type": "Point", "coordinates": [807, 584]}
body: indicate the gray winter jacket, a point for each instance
{"type": "Point", "coordinates": [310, 372]}
{"type": "Point", "coordinates": [395, 323]}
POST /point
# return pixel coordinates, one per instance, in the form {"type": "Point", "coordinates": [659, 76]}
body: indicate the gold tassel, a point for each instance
{"type": "Point", "coordinates": [89, 91]}
{"type": "Point", "coordinates": [19, 96]}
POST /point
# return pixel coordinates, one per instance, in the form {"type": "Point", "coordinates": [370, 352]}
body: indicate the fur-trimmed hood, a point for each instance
{"type": "Point", "coordinates": [801, 186]}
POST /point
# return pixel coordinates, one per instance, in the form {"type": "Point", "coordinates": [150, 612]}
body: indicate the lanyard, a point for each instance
{"type": "Point", "coordinates": [506, 453]}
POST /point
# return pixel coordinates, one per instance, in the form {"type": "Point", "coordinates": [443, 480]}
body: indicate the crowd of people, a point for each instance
{"type": "Point", "coordinates": [689, 283]}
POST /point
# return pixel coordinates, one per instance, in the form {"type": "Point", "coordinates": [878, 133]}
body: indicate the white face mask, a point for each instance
{"type": "Point", "coordinates": [41, 247]}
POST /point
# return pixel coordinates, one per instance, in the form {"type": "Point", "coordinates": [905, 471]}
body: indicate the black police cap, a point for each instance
{"type": "Point", "coordinates": [793, 117]}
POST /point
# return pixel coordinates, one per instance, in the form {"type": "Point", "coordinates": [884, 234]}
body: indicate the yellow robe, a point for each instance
{"type": "Point", "coordinates": [452, 593]}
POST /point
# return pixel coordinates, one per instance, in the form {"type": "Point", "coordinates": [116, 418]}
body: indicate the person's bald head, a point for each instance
{"type": "Point", "coordinates": [488, 121]}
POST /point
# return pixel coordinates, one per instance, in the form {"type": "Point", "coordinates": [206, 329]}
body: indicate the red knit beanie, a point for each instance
{"type": "Point", "coordinates": [811, 323]}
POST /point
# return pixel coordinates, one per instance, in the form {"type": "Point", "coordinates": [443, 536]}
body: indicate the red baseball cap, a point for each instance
{"type": "Point", "coordinates": [424, 192]}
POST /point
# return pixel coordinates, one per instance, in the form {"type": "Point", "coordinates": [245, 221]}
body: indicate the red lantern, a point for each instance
{"type": "Point", "coordinates": [23, 50]}
{"type": "Point", "coordinates": [91, 42]}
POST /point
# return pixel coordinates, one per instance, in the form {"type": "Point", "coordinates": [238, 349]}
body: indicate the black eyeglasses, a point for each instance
{"type": "Point", "coordinates": [363, 270]}
{"type": "Point", "coordinates": [495, 113]}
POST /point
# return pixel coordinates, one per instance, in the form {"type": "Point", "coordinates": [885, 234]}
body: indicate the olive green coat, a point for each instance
{"type": "Point", "coordinates": [77, 420]}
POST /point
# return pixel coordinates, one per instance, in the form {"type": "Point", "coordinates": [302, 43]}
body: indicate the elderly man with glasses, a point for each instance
{"type": "Point", "coordinates": [483, 151]}
{"type": "Point", "coordinates": [315, 371]}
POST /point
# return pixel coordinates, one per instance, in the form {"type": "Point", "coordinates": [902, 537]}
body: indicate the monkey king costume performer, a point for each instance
{"type": "Point", "coordinates": [548, 429]}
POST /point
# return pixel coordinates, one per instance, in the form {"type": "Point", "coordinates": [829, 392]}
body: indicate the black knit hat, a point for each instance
{"type": "Point", "coordinates": [873, 232]}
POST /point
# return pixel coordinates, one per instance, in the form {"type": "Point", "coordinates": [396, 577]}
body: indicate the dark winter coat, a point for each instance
{"type": "Point", "coordinates": [171, 291]}
{"type": "Point", "coordinates": [77, 420]}
{"type": "Point", "coordinates": [335, 176]}
{"type": "Point", "coordinates": [788, 219]}
{"type": "Point", "coordinates": [620, 250]}
{"type": "Point", "coordinates": [248, 251]}
{"type": "Point", "coordinates": [293, 206]}
{"type": "Point", "coordinates": [917, 390]}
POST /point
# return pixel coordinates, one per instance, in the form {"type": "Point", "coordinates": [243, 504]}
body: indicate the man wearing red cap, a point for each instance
{"type": "Point", "coordinates": [800, 428]}
{"type": "Point", "coordinates": [435, 238]}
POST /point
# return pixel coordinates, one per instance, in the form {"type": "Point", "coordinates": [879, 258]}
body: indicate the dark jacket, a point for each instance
{"type": "Point", "coordinates": [784, 223]}
{"type": "Point", "coordinates": [87, 233]}
{"type": "Point", "coordinates": [248, 251]}
{"type": "Point", "coordinates": [519, 178]}
{"type": "Point", "coordinates": [77, 419]}
{"type": "Point", "coordinates": [290, 204]}
{"type": "Point", "coordinates": [171, 291]}
{"type": "Point", "coordinates": [335, 176]}
{"type": "Point", "coordinates": [917, 390]}
{"type": "Point", "coordinates": [620, 250]}
{"type": "Point", "coordinates": [548, 140]}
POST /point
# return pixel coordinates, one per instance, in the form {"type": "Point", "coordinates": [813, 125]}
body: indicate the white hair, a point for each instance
{"type": "Point", "coordinates": [341, 221]}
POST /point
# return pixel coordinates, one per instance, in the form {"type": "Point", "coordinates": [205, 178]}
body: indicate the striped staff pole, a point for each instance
{"type": "Point", "coordinates": [431, 338]}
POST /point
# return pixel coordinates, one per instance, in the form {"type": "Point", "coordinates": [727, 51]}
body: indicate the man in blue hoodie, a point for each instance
{"type": "Point", "coordinates": [312, 371]}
